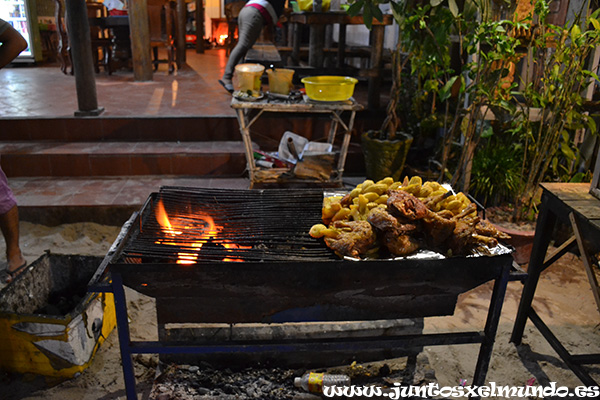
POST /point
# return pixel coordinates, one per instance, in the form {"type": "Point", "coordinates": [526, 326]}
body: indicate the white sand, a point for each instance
{"type": "Point", "coordinates": [564, 300]}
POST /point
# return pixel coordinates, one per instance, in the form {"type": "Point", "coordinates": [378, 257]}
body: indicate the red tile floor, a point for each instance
{"type": "Point", "coordinates": [44, 91]}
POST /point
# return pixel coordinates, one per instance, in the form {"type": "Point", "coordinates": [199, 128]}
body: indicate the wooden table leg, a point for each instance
{"type": "Point", "coordinates": [543, 234]}
{"type": "Point", "coordinates": [245, 131]}
{"type": "Point", "coordinates": [345, 145]}
{"type": "Point", "coordinates": [586, 260]}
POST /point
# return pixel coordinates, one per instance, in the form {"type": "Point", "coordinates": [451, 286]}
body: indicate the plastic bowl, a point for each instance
{"type": "Point", "coordinates": [329, 88]}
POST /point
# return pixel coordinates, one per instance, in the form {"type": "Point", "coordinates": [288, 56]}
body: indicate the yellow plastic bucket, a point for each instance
{"type": "Point", "coordinates": [280, 80]}
{"type": "Point", "coordinates": [248, 77]}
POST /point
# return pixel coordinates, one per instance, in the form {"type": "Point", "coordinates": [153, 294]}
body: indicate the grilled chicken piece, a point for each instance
{"type": "Point", "coordinates": [400, 245]}
{"type": "Point", "coordinates": [485, 228]}
{"type": "Point", "coordinates": [462, 242]}
{"type": "Point", "coordinates": [471, 233]}
{"type": "Point", "coordinates": [384, 221]}
{"type": "Point", "coordinates": [487, 240]}
{"type": "Point", "coordinates": [354, 238]}
{"type": "Point", "coordinates": [438, 228]}
{"type": "Point", "coordinates": [406, 206]}
{"type": "Point", "coordinates": [396, 235]}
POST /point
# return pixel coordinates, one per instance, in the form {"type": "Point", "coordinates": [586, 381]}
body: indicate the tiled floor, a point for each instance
{"type": "Point", "coordinates": [45, 92]}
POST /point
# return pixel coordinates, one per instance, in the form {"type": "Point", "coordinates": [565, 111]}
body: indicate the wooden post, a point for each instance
{"type": "Point", "coordinates": [316, 40]}
{"type": "Point", "coordinates": [199, 26]}
{"type": "Point", "coordinates": [341, 46]}
{"type": "Point", "coordinates": [376, 59]}
{"type": "Point", "coordinates": [295, 58]}
{"type": "Point", "coordinates": [140, 40]}
{"type": "Point", "coordinates": [78, 29]}
{"type": "Point", "coordinates": [180, 56]}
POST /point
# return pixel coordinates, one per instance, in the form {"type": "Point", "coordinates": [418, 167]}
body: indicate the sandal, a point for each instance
{"type": "Point", "coordinates": [11, 275]}
{"type": "Point", "coordinates": [227, 86]}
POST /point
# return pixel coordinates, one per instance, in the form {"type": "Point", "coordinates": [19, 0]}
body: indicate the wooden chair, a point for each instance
{"type": "Point", "coordinates": [232, 10]}
{"type": "Point", "coordinates": [161, 24]}
{"type": "Point", "coordinates": [101, 38]}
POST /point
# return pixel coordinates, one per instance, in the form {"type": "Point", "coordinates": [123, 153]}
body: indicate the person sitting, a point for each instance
{"type": "Point", "coordinates": [254, 16]}
{"type": "Point", "coordinates": [12, 45]}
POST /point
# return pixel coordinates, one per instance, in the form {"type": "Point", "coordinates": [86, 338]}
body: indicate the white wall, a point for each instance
{"type": "Point", "coordinates": [212, 9]}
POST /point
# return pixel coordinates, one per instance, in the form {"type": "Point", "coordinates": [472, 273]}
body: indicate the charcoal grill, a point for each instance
{"type": "Point", "coordinates": [241, 256]}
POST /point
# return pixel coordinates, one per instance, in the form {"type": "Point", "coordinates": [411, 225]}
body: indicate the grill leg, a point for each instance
{"type": "Point", "coordinates": [491, 327]}
{"type": "Point", "coordinates": [124, 338]}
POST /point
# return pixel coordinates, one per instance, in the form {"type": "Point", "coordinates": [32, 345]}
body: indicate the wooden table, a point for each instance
{"type": "Point", "coordinates": [119, 26]}
{"type": "Point", "coordinates": [248, 112]}
{"type": "Point", "coordinates": [136, 22]}
{"type": "Point", "coordinates": [571, 204]}
{"type": "Point", "coordinates": [317, 22]}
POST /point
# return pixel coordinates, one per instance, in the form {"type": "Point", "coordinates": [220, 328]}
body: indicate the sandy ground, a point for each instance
{"type": "Point", "coordinates": [564, 300]}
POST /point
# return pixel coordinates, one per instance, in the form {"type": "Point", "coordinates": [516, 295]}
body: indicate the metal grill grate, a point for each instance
{"type": "Point", "coordinates": [265, 225]}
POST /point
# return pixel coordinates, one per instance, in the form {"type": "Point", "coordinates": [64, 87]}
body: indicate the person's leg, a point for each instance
{"type": "Point", "coordinates": [9, 224]}
{"type": "Point", "coordinates": [250, 24]}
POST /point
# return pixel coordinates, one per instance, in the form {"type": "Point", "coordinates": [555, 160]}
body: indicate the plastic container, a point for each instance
{"type": "Point", "coordinates": [280, 80]}
{"type": "Point", "coordinates": [44, 336]}
{"type": "Point", "coordinates": [248, 77]}
{"type": "Point", "coordinates": [314, 381]}
{"type": "Point", "coordinates": [329, 88]}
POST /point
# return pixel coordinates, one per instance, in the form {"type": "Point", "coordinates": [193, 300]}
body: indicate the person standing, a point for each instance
{"type": "Point", "coordinates": [12, 45]}
{"type": "Point", "coordinates": [253, 17]}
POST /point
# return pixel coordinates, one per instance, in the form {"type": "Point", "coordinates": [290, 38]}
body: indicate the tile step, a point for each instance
{"type": "Point", "coordinates": [106, 200]}
{"type": "Point", "coordinates": [83, 159]}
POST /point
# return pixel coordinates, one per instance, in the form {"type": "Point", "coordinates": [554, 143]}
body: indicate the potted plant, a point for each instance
{"type": "Point", "coordinates": [385, 150]}
{"type": "Point", "coordinates": [423, 80]}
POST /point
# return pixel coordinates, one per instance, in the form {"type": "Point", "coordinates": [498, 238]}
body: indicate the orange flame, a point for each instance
{"type": "Point", "coordinates": [163, 220]}
{"type": "Point", "coordinates": [229, 245]}
{"type": "Point", "coordinates": [173, 229]}
{"type": "Point", "coordinates": [222, 39]}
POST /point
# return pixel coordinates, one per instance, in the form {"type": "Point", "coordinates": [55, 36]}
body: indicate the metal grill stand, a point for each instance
{"type": "Point", "coordinates": [323, 290]}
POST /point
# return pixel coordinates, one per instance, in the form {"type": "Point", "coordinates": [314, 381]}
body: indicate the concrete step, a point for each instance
{"type": "Point", "coordinates": [85, 159]}
{"type": "Point", "coordinates": [120, 128]}
{"type": "Point", "coordinates": [105, 200]}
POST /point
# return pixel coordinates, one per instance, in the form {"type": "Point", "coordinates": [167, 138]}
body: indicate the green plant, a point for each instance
{"type": "Point", "coordinates": [560, 56]}
{"type": "Point", "coordinates": [480, 88]}
{"type": "Point", "coordinates": [424, 46]}
{"type": "Point", "coordinates": [491, 50]}
{"type": "Point", "coordinates": [496, 170]}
